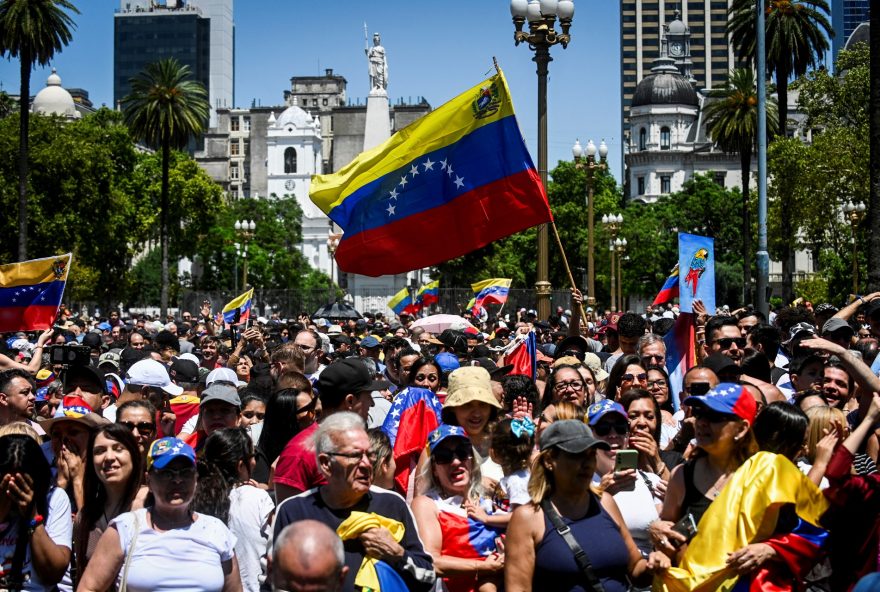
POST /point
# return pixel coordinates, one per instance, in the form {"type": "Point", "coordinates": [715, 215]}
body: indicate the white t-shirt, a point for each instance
{"type": "Point", "coordinates": [181, 560]}
{"type": "Point", "coordinates": [515, 489]}
{"type": "Point", "coordinates": [249, 511]}
{"type": "Point", "coordinates": [638, 508]}
{"type": "Point", "coordinates": [59, 527]}
{"type": "Point", "coordinates": [190, 426]}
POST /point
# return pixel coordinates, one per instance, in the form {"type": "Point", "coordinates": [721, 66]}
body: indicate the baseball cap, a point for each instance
{"type": "Point", "coordinates": [800, 330]}
{"type": "Point", "coordinates": [164, 450]}
{"type": "Point", "coordinates": [334, 330]}
{"type": "Point", "coordinates": [77, 410]}
{"type": "Point", "coordinates": [111, 358]}
{"type": "Point", "coordinates": [571, 344]}
{"type": "Point", "coordinates": [44, 377]}
{"type": "Point", "coordinates": [369, 341]}
{"type": "Point", "coordinates": [570, 435]}
{"type": "Point", "coordinates": [721, 364]}
{"type": "Point", "coordinates": [42, 394]}
{"type": "Point", "coordinates": [184, 371]}
{"type": "Point", "coordinates": [221, 391]}
{"type": "Point", "coordinates": [447, 362]}
{"type": "Point", "coordinates": [446, 431]}
{"type": "Point", "coordinates": [597, 411]}
{"type": "Point", "coordinates": [349, 375]}
{"type": "Point", "coordinates": [826, 307]}
{"type": "Point", "coordinates": [93, 340]}
{"type": "Point", "coordinates": [834, 325]}
{"type": "Point", "coordinates": [87, 374]}
{"type": "Point", "coordinates": [729, 398]}
{"type": "Point", "coordinates": [221, 374]}
{"type": "Point", "coordinates": [152, 373]}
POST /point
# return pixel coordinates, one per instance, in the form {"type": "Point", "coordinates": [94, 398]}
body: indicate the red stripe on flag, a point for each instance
{"type": "Point", "coordinates": [31, 318]}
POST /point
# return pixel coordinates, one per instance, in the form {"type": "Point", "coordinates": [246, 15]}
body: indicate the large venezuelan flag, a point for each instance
{"type": "Point", "coordinates": [669, 291]}
{"type": "Point", "coordinates": [452, 182]}
{"type": "Point", "coordinates": [492, 291]}
{"type": "Point", "coordinates": [31, 291]}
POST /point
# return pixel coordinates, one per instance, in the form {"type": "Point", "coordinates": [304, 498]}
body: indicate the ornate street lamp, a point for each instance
{"type": "Point", "coordinates": [854, 211]}
{"type": "Point", "coordinates": [613, 223]}
{"type": "Point", "coordinates": [542, 16]}
{"type": "Point", "coordinates": [245, 230]}
{"type": "Point", "coordinates": [591, 166]}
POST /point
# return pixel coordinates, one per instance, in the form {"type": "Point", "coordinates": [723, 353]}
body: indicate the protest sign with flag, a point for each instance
{"type": "Point", "coordinates": [492, 291]}
{"type": "Point", "coordinates": [696, 271]}
{"type": "Point", "coordinates": [451, 182]}
{"type": "Point", "coordinates": [31, 292]}
{"type": "Point", "coordinates": [418, 410]}
{"type": "Point", "coordinates": [238, 310]}
{"type": "Point", "coordinates": [669, 291]}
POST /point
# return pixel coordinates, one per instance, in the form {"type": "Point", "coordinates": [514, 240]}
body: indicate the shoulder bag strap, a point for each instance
{"type": "Point", "coordinates": [580, 556]}
{"type": "Point", "coordinates": [137, 528]}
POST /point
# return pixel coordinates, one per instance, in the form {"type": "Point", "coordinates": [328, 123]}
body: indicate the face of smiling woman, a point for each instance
{"type": "Point", "coordinates": [112, 460]}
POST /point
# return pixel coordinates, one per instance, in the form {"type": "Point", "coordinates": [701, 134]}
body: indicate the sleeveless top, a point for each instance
{"type": "Point", "coordinates": [695, 501]}
{"type": "Point", "coordinates": [599, 537]}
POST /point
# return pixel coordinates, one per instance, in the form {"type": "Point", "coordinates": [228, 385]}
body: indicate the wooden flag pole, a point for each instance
{"type": "Point", "coordinates": [568, 270]}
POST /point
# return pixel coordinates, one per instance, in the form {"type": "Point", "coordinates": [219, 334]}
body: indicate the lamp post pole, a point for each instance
{"type": "Point", "coordinates": [620, 247]}
{"type": "Point", "coordinates": [542, 16]}
{"type": "Point", "coordinates": [854, 211]}
{"type": "Point", "coordinates": [613, 222]}
{"type": "Point", "coordinates": [591, 167]}
{"type": "Point", "coordinates": [245, 230]}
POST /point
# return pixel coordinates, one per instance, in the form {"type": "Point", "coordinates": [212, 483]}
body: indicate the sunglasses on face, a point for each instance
{"type": "Point", "coordinates": [652, 359]}
{"type": "Point", "coordinates": [633, 377]}
{"type": "Point", "coordinates": [713, 416]}
{"type": "Point", "coordinates": [726, 342]}
{"type": "Point", "coordinates": [182, 474]}
{"type": "Point", "coordinates": [698, 388]}
{"type": "Point", "coordinates": [143, 427]}
{"type": "Point", "coordinates": [603, 429]}
{"type": "Point", "coordinates": [443, 456]}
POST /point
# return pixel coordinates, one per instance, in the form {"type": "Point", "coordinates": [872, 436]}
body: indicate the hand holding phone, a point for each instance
{"type": "Point", "coordinates": [687, 527]}
{"type": "Point", "coordinates": [626, 459]}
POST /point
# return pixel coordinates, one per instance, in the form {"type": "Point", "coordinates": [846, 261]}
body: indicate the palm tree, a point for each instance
{"type": "Point", "coordinates": [165, 108]}
{"type": "Point", "coordinates": [32, 31]}
{"type": "Point", "coordinates": [797, 33]}
{"type": "Point", "coordinates": [732, 123]}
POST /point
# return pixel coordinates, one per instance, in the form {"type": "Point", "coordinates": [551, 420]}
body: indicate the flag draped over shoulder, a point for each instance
{"type": "Point", "coordinates": [447, 184]}
{"type": "Point", "coordinates": [747, 511]}
{"type": "Point", "coordinates": [238, 310]}
{"type": "Point", "coordinates": [31, 292]}
{"type": "Point", "coordinates": [418, 410]}
{"type": "Point", "coordinates": [669, 291]}
{"type": "Point", "coordinates": [491, 291]}
{"type": "Point", "coordinates": [681, 353]}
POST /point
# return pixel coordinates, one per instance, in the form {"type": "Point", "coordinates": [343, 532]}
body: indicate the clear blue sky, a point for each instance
{"type": "Point", "coordinates": [435, 50]}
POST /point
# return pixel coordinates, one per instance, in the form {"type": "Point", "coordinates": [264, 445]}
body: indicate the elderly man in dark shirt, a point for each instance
{"type": "Point", "coordinates": [341, 448]}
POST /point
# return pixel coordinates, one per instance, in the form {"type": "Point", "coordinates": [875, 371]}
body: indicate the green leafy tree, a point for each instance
{"type": "Point", "coordinates": [8, 105]}
{"type": "Point", "coordinates": [797, 33]}
{"type": "Point", "coordinates": [165, 109]}
{"type": "Point", "coordinates": [732, 122]}
{"type": "Point", "coordinates": [32, 31]}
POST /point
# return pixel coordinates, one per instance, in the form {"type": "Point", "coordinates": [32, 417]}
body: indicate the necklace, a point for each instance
{"type": "Point", "coordinates": [718, 486]}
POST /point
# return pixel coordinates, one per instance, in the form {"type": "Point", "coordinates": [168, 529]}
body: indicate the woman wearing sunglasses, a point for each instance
{"type": "Point", "coordinates": [658, 385]}
{"type": "Point", "coordinates": [724, 438]}
{"type": "Point", "coordinates": [464, 550]}
{"type": "Point", "coordinates": [165, 546]}
{"type": "Point", "coordinates": [627, 372]}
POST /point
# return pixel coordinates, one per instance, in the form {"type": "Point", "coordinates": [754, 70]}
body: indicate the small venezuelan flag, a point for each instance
{"type": "Point", "coordinates": [493, 291]}
{"type": "Point", "coordinates": [31, 292]}
{"type": "Point", "coordinates": [428, 294]}
{"type": "Point", "coordinates": [401, 302]}
{"type": "Point", "coordinates": [451, 182]}
{"type": "Point", "coordinates": [669, 291]}
{"type": "Point", "coordinates": [238, 311]}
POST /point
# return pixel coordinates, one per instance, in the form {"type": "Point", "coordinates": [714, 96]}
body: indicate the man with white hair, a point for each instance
{"type": "Point", "coordinates": [342, 453]}
{"type": "Point", "coordinates": [308, 556]}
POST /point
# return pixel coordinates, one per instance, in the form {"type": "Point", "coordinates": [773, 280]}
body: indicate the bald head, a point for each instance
{"type": "Point", "coordinates": [308, 557]}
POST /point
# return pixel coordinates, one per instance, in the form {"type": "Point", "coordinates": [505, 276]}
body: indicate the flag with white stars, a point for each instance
{"type": "Point", "coordinates": [447, 184]}
{"type": "Point", "coordinates": [31, 292]}
{"type": "Point", "coordinates": [414, 414]}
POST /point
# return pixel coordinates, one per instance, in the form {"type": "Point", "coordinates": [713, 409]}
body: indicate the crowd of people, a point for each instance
{"type": "Point", "coordinates": [176, 454]}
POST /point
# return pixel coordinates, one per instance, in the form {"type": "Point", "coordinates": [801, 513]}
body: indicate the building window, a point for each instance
{"type": "Point", "coordinates": [233, 124]}
{"type": "Point", "coordinates": [324, 102]}
{"type": "Point", "coordinates": [233, 148]}
{"type": "Point", "coordinates": [643, 139]}
{"type": "Point", "coordinates": [233, 172]}
{"type": "Point", "coordinates": [665, 139]}
{"type": "Point", "coordinates": [289, 161]}
{"type": "Point", "coordinates": [314, 102]}
{"type": "Point", "coordinates": [246, 121]}
{"type": "Point", "coordinates": [641, 184]}
{"type": "Point", "coordinates": [247, 148]}
{"type": "Point", "coordinates": [719, 178]}
{"type": "Point", "coordinates": [665, 184]}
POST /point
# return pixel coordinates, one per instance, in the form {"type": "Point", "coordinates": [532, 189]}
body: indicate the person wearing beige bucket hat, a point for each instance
{"type": "Point", "coordinates": [471, 404]}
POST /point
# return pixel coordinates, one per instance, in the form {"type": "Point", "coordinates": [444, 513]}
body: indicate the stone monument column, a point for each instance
{"type": "Point", "coordinates": [378, 125]}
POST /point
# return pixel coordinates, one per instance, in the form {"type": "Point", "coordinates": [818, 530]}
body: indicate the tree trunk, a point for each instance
{"type": "Point", "coordinates": [874, 168]}
{"type": "Point", "coordinates": [788, 231]}
{"type": "Point", "coordinates": [163, 229]}
{"type": "Point", "coordinates": [746, 170]}
{"type": "Point", "coordinates": [24, 105]}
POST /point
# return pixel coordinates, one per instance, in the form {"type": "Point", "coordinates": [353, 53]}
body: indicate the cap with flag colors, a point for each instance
{"type": "Point", "coordinates": [238, 310]}
{"type": "Point", "coordinates": [402, 302]}
{"type": "Point", "coordinates": [428, 294]}
{"type": "Point", "coordinates": [451, 182]}
{"type": "Point", "coordinates": [669, 291]}
{"type": "Point", "coordinates": [493, 291]}
{"type": "Point", "coordinates": [31, 291]}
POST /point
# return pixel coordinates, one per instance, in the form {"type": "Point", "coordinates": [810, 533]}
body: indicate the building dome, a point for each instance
{"type": "Point", "coordinates": [676, 27]}
{"type": "Point", "coordinates": [294, 116]}
{"type": "Point", "coordinates": [54, 100]}
{"type": "Point", "coordinates": [665, 85]}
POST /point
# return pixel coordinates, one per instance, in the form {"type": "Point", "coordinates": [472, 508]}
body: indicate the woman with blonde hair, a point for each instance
{"type": "Point", "coordinates": [827, 427]}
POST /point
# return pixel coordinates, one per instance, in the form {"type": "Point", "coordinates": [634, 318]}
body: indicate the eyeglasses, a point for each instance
{"type": "Point", "coordinates": [697, 388]}
{"type": "Point", "coordinates": [713, 416]}
{"type": "Point", "coordinates": [575, 385]}
{"type": "Point", "coordinates": [633, 377]}
{"type": "Point", "coordinates": [357, 455]}
{"type": "Point", "coordinates": [603, 429]}
{"type": "Point", "coordinates": [251, 414]}
{"type": "Point", "coordinates": [726, 342]}
{"type": "Point", "coordinates": [144, 427]}
{"type": "Point", "coordinates": [659, 383]}
{"type": "Point", "coordinates": [653, 359]}
{"type": "Point", "coordinates": [429, 377]}
{"type": "Point", "coordinates": [176, 474]}
{"type": "Point", "coordinates": [444, 456]}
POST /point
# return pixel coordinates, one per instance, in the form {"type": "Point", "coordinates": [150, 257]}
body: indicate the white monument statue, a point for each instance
{"type": "Point", "coordinates": [378, 65]}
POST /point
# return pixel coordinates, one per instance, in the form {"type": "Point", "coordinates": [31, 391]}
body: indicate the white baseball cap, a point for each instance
{"type": "Point", "coordinates": [223, 375]}
{"type": "Point", "coordinates": [154, 374]}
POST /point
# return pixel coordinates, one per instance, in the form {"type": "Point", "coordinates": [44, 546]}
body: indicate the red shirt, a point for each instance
{"type": "Point", "coordinates": [297, 466]}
